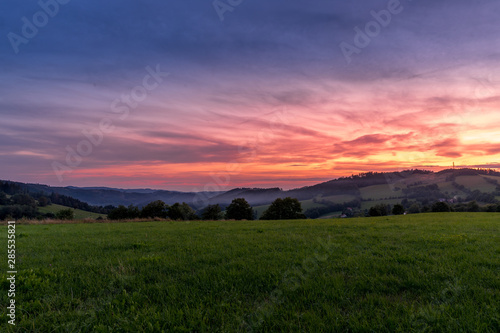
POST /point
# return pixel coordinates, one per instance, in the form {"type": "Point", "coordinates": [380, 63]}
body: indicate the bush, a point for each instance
{"type": "Point", "coordinates": [472, 207]}
{"type": "Point", "coordinates": [398, 209]}
{"type": "Point", "coordinates": [378, 210]}
{"type": "Point", "coordinates": [414, 208]}
{"type": "Point", "coordinates": [65, 214]}
{"type": "Point", "coordinates": [440, 207]}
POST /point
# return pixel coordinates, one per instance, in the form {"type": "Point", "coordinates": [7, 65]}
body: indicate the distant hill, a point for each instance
{"type": "Point", "coordinates": [360, 191]}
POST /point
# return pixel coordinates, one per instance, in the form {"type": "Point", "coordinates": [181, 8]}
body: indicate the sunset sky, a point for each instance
{"type": "Point", "coordinates": [263, 98]}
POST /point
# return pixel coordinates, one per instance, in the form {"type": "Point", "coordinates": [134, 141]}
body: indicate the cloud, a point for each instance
{"type": "Point", "coordinates": [424, 91]}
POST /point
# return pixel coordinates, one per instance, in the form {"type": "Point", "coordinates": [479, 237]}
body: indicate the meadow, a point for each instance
{"type": "Point", "coordinates": [413, 273]}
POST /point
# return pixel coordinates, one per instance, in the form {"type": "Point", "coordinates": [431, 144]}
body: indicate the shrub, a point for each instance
{"type": "Point", "coordinates": [440, 207]}
{"type": "Point", "coordinates": [378, 210]}
{"type": "Point", "coordinates": [398, 209]}
{"type": "Point", "coordinates": [65, 214]}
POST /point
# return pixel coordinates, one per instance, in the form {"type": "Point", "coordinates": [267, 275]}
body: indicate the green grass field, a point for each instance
{"type": "Point", "coordinates": [79, 214]}
{"type": "Point", "coordinates": [414, 273]}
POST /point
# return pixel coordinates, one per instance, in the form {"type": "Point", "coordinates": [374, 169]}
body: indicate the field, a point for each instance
{"type": "Point", "coordinates": [413, 273]}
{"type": "Point", "coordinates": [379, 192]}
{"type": "Point", "coordinates": [476, 183]}
{"type": "Point", "coordinates": [79, 214]}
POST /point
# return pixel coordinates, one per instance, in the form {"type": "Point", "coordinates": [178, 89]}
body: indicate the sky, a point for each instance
{"type": "Point", "coordinates": [198, 95]}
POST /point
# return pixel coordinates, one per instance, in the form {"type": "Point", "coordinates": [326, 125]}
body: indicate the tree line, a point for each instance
{"type": "Point", "coordinates": [239, 209]}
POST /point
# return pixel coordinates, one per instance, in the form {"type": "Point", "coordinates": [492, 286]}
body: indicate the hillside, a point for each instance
{"type": "Point", "coordinates": [78, 213]}
{"type": "Point", "coordinates": [359, 192]}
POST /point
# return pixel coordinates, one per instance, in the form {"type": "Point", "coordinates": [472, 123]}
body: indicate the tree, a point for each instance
{"type": "Point", "coordinates": [23, 199]}
{"type": "Point", "coordinates": [43, 201]}
{"type": "Point", "coordinates": [65, 214]}
{"type": "Point", "coordinates": [181, 212]}
{"type": "Point", "coordinates": [472, 207]}
{"type": "Point", "coordinates": [133, 212]}
{"type": "Point", "coordinates": [239, 209]}
{"type": "Point", "coordinates": [440, 207]}
{"type": "Point", "coordinates": [3, 198]}
{"type": "Point", "coordinates": [378, 210]}
{"type": "Point", "coordinates": [155, 209]}
{"type": "Point", "coordinates": [211, 212]}
{"type": "Point", "coordinates": [398, 209]}
{"type": "Point", "coordinates": [284, 209]}
{"type": "Point", "coordinates": [119, 213]}
{"type": "Point", "coordinates": [414, 208]}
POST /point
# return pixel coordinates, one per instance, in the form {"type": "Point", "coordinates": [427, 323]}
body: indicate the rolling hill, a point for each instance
{"type": "Point", "coordinates": [360, 191]}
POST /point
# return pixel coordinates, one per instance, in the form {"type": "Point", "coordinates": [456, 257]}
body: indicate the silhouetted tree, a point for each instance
{"type": "Point", "coordinates": [119, 213]}
{"type": "Point", "coordinates": [239, 209]}
{"type": "Point", "coordinates": [398, 209]}
{"type": "Point", "coordinates": [181, 212]}
{"type": "Point", "coordinates": [378, 210]}
{"type": "Point", "coordinates": [211, 212]}
{"type": "Point", "coordinates": [155, 209]}
{"type": "Point", "coordinates": [439, 207]}
{"type": "Point", "coordinates": [284, 209]}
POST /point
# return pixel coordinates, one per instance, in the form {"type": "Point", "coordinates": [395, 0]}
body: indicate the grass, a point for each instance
{"type": "Point", "coordinates": [413, 273]}
{"type": "Point", "coordinates": [79, 214]}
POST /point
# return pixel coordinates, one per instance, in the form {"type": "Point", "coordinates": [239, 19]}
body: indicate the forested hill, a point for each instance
{"type": "Point", "coordinates": [478, 184]}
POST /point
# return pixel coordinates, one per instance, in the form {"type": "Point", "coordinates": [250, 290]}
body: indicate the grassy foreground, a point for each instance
{"type": "Point", "coordinates": [415, 273]}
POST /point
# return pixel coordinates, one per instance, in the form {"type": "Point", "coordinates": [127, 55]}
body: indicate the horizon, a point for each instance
{"type": "Point", "coordinates": [192, 97]}
{"type": "Point", "coordinates": [227, 189]}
